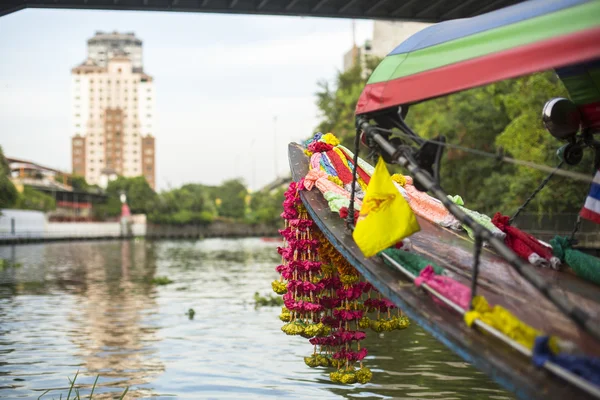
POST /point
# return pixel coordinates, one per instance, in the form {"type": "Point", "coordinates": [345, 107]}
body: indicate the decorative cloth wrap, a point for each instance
{"type": "Point", "coordinates": [446, 286]}
{"type": "Point", "coordinates": [584, 265]}
{"type": "Point", "coordinates": [586, 367]}
{"type": "Point", "coordinates": [525, 245]}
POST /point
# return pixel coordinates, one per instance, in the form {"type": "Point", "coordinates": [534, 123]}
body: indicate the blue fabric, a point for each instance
{"type": "Point", "coordinates": [585, 367]}
{"type": "Point", "coordinates": [316, 137]}
{"type": "Point", "coordinates": [327, 165]}
{"type": "Point", "coordinates": [458, 28]}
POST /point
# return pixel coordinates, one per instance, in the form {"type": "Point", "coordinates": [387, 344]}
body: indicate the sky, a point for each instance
{"type": "Point", "coordinates": [231, 90]}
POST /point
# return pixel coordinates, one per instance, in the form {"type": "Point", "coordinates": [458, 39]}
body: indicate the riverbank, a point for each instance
{"type": "Point", "coordinates": [78, 231]}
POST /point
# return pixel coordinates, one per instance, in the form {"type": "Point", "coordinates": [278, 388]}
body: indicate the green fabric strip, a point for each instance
{"type": "Point", "coordinates": [411, 261]}
{"type": "Point", "coordinates": [537, 29]}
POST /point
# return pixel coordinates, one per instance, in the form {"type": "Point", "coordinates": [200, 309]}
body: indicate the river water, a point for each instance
{"type": "Point", "coordinates": [92, 307]}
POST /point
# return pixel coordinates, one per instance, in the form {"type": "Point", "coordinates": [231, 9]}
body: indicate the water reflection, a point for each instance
{"type": "Point", "coordinates": [92, 307]}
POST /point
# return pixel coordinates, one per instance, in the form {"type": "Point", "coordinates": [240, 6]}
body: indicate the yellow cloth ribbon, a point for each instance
{"type": "Point", "coordinates": [505, 322]}
{"type": "Point", "coordinates": [331, 139]}
{"type": "Point", "coordinates": [385, 217]}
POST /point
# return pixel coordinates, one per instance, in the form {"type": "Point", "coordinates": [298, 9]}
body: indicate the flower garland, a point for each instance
{"type": "Point", "coordinates": [326, 300]}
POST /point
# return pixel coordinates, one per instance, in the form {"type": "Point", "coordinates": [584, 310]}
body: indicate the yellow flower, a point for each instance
{"type": "Point", "coordinates": [399, 178]}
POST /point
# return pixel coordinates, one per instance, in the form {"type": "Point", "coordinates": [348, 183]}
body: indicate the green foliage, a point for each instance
{"type": "Point", "coordinates": [232, 196]}
{"type": "Point", "coordinates": [265, 207]}
{"type": "Point", "coordinates": [338, 102]}
{"type": "Point", "coordinates": [505, 114]}
{"type": "Point", "coordinates": [189, 204]}
{"type": "Point", "coordinates": [8, 192]}
{"type": "Point", "coordinates": [140, 196]}
{"type": "Point", "coordinates": [32, 199]}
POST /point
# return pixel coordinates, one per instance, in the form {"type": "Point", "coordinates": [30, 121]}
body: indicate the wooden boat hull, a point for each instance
{"type": "Point", "coordinates": [499, 283]}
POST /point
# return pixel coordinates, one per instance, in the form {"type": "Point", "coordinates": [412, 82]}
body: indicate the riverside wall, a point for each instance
{"type": "Point", "coordinates": [23, 226]}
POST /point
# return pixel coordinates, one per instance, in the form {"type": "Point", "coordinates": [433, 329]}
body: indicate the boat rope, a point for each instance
{"type": "Point", "coordinates": [535, 192]}
{"type": "Point", "coordinates": [403, 158]}
{"type": "Point", "coordinates": [499, 156]}
{"type": "Point", "coordinates": [575, 229]}
{"type": "Point", "coordinates": [350, 218]}
{"type": "Point", "coordinates": [476, 258]}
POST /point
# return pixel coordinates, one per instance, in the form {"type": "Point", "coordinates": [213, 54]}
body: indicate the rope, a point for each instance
{"type": "Point", "coordinates": [572, 239]}
{"type": "Point", "coordinates": [535, 192]}
{"type": "Point", "coordinates": [476, 259]}
{"type": "Point", "coordinates": [350, 217]}
{"type": "Point", "coordinates": [500, 157]}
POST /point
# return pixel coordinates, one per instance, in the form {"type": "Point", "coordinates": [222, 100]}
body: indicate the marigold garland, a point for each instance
{"type": "Point", "coordinates": [326, 299]}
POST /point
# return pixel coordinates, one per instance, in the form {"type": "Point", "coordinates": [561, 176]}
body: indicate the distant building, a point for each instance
{"type": "Point", "coordinates": [105, 46]}
{"type": "Point", "coordinates": [113, 104]}
{"type": "Point", "coordinates": [387, 35]}
{"type": "Point", "coordinates": [71, 204]}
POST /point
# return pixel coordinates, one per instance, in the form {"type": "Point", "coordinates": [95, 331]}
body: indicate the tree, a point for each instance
{"type": "Point", "coordinates": [189, 204]}
{"type": "Point", "coordinates": [8, 192]}
{"type": "Point", "coordinates": [140, 196]}
{"type": "Point", "coordinates": [265, 207]}
{"type": "Point", "coordinates": [232, 199]}
{"type": "Point", "coordinates": [31, 199]}
{"type": "Point", "coordinates": [337, 102]}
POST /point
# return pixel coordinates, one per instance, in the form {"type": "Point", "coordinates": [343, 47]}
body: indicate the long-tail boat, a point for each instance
{"type": "Point", "coordinates": [446, 58]}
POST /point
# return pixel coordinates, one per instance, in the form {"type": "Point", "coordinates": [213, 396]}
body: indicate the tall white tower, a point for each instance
{"type": "Point", "coordinates": [113, 118]}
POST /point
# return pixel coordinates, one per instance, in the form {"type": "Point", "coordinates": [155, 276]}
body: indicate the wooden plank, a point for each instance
{"type": "Point", "coordinates": [509, 368]}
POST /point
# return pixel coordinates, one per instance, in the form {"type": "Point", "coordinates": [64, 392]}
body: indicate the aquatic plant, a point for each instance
{"type": "Point", "coordinates": [161, 280]}
{"type": "Point", "coordinates": [75, 391]}
{"type": "Point", "coordinates": [264, 301]}
{"type": "Point", "coordinates": [190, 313]}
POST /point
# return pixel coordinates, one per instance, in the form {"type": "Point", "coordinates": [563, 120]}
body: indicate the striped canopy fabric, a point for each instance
{"type": "Point", "coordinates": [456, 55]}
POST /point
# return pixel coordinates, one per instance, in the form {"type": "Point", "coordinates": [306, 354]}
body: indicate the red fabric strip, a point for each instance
{"type": "Point", "coordinates": [551, 53]}
{"type": "Point", "coordinates": [363, 175]}
{"type": "Point", "coordinates": [343, 172]}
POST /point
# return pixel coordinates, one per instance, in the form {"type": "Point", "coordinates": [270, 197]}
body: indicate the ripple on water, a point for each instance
{"type": "Point", "coordinates": [90, 307]}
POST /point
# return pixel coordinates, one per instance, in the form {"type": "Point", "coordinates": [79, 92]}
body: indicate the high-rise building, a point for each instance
{"type": "Point", "coordinates": [387, 35]}
{"type": "Point", "coordinates": [113, 121]}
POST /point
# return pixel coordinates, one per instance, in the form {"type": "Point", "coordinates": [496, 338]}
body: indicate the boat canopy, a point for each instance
{"type": "Point", "coordinates": [460, 54]}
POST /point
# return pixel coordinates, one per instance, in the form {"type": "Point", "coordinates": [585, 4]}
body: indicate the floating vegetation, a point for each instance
{"type": "Point", "coordinates": [263, 301]}
{"type": "Point", "coordinates": [161, 280]}
{"type": "Point", "coordinates": [76, 393]}
{"type": "Point", "coordinates": [190, 313]}
{"type": "Point", "coordinates": [5, 264]}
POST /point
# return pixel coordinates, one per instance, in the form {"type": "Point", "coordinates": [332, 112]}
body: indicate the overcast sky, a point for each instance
{"type": "Point", "coordinates": [220, 82]}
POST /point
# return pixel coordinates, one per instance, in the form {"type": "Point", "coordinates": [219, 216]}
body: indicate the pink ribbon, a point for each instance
{"type": "Point", "coordinates": [446, 286]}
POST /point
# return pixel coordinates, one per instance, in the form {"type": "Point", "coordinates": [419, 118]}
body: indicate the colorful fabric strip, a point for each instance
{"type": "Point", "coordinates": [446, 286]}
{"type": "Point", "coordinates": [586, 367]}
{"type": "Point", "coordinates": [452, 30]}
{"type": "Point", "coordinates": [538, 56]}
{"type": "Point", "coordinates": [502, 320]}
{"type": "Point", "coordinates": [567, 21]}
